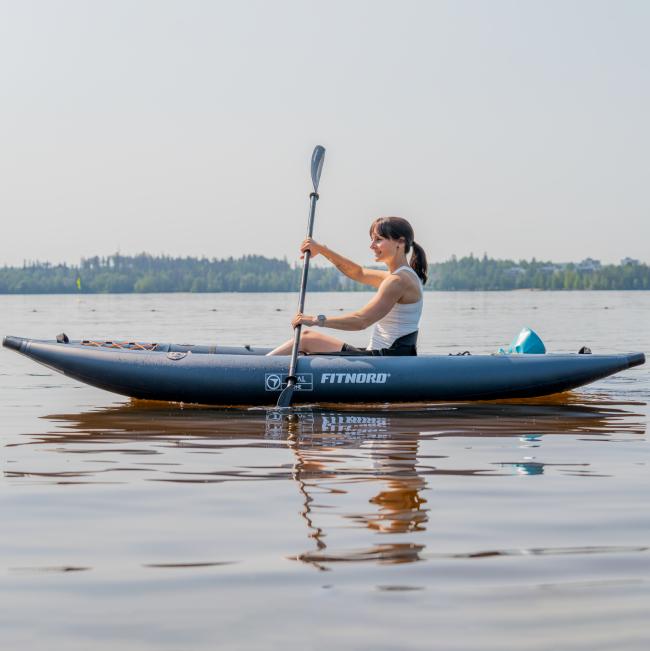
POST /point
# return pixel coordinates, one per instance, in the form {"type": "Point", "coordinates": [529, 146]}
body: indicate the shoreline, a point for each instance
{"type": "Point", "coordinates": [329, 291]}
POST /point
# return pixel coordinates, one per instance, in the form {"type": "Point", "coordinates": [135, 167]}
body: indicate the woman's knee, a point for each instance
{"type": "Point", "coordinates": [310, 341]}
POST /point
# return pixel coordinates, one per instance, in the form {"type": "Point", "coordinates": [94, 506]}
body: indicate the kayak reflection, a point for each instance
{"type": "Point", "coordinates": [371, 470]}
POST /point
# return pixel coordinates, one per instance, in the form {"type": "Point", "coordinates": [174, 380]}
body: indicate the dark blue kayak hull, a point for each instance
{"type": "Point", "coordinates": [232, 376]}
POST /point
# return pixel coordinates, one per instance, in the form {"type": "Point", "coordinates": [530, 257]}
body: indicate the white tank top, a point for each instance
{"type": "Point", "coordinates": [403, 319]}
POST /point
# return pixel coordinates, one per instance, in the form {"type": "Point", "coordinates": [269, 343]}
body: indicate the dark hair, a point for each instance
{"type": "Point", "coordinates": [395, 228]}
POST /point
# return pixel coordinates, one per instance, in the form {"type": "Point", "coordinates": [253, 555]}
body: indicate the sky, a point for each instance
{"type": "Point", "coordinates": [514, 128]}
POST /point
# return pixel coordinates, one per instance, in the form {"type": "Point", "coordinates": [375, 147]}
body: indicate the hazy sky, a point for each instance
{"type": "Point", "coordinates": [514, 128]}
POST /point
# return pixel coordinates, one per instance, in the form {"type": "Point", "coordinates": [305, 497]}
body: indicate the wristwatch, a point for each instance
{"type": "Point", "coordinates": [320, 320]}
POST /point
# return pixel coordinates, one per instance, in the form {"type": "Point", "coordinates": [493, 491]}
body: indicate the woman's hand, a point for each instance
{"type": "Point", "coordinates": [302, 319]}
{"type": "Point", "coordinates": [311, 245]}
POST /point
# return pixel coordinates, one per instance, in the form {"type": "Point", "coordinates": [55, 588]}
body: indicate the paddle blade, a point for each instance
{"type": "Point", "coordinates": [284, 399]}
{"type": "Point", "coordinates": [317, 160]}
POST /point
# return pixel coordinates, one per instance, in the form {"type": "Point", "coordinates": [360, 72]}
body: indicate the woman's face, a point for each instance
{"type": "Point", "coordinates": [383, 247]}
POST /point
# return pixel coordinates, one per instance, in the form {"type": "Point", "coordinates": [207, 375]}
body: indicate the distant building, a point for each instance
{"type": "Point", "coordinates": [515, 271]}
{"type": "Point", "coordinates": [589, 264]}
{"type": "Point", "coordinates": [629, 261]}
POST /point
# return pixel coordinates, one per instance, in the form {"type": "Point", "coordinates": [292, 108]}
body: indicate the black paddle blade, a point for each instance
{"type": "Point", "coordinates": [317, 160]}
{"type": "Point", "coordinates": [284, 399]}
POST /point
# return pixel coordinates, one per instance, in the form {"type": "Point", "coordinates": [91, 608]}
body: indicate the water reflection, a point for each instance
{"type": "Point", "coordinates": [397, 508]}
{"type": "Point", "coordinates": [374, 470]}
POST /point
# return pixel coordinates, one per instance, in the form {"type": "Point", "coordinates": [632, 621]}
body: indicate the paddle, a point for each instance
{"type": "Point", "coordinates": [317, 159]}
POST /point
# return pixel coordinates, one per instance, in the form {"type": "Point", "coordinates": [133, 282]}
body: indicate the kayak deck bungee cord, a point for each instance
{"type": "Point", "coordinates": [244, 375]}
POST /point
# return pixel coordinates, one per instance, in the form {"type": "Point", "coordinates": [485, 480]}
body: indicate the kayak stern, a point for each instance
{"type": "Point", "coordinates": [14, 343]}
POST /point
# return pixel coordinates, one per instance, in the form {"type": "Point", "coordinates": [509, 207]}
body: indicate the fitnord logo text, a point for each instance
{"type": "Point", "coordinates": [354, 378]}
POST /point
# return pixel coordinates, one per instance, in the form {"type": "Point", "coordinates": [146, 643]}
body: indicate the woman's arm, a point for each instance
{"type": "Point", "coordinates": [390, 291]}
{"type": "Point", "coordinates": [356, 272]}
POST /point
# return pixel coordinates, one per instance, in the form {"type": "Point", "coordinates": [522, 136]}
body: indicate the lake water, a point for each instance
{"type": "Point", "coordinates": [137, 526]}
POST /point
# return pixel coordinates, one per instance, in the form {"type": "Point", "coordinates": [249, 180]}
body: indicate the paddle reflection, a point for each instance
{"type": "Point", "coordinates": [398, 507]}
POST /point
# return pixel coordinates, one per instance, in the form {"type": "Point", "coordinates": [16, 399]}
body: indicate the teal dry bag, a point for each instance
{"type": "Point", "coordinates": [528, 342]}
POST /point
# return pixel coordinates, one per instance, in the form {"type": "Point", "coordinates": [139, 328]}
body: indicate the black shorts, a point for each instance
{"type": "Point", "coordinates": [397, 351]}
{"type": "Point", "coordinates": [402, 346]}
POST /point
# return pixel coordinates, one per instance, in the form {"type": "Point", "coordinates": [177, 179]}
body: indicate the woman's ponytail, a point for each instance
{"type": "Point", "coordinates": [418, 262]}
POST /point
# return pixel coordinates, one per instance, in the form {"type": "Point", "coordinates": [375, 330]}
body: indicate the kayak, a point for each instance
{"type": "Point", "coordinates": [222, 375]}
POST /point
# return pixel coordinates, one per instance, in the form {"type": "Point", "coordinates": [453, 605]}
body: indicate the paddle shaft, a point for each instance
{"type": "Point", "coordinates": [291, 379]}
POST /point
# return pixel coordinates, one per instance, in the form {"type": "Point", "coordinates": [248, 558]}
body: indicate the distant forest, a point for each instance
{"type": "Point", "coordinates": [251, 273]}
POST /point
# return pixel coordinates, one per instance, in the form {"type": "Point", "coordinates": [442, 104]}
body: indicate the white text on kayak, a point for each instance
{"type": "Point", "coordinates": [354, 378]}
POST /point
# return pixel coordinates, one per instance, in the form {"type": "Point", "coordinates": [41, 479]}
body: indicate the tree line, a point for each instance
{"type": "Point", "coordinates": [252, 273]}
{"type": "Point", "coordinates": [472, 273]}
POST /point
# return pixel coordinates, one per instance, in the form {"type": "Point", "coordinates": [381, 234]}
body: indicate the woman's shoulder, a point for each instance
{"type": "Point", "coordinates": [408, 276]}
{"type": "Point", "coordinates": [394, 285]}
{"type": "Point", "coordinates": [405, 268]}
{"type": "Point", "coordinates": [409, 283]}
{"type": "Point", "coordinates": [400, 284]}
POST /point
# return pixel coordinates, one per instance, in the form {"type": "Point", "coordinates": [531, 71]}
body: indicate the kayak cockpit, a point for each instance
{"type": "Point", "coordinates": [17, 343]}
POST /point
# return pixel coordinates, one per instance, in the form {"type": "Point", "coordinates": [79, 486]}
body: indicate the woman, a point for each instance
{"type": "Point", "coordinates": [395, 309]}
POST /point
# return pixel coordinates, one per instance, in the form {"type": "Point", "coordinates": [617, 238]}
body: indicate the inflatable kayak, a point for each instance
{"type": "Point", "coordinates": [215, 375]}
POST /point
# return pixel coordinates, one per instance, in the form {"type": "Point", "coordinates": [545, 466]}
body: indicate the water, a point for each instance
{"type": "Point", "coordinates": [455, 526]}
